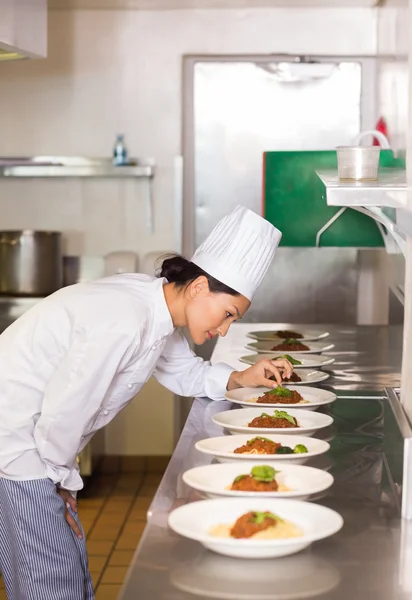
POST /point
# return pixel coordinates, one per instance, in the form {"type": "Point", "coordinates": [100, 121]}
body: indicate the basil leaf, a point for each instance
{"type": "Point", "coordinates": [281, 391]}
{"type": "Point", "coordinates": [264, 473]}
{"type": "Point", "coordinates": [291, 341]}
{"type": "Point", "coordinates": [259, 517]}
{"type": "Point", "coordinates": [292, 361]}
{"type": "Point", "coordinates": [281, 414]}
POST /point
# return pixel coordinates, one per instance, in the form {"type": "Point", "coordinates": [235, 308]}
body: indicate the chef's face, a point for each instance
{"type": "Point", "coordinates": [209, 314]}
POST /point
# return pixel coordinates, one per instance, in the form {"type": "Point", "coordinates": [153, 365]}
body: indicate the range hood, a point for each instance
{"type": "Point", "coordinates": [23, 29]}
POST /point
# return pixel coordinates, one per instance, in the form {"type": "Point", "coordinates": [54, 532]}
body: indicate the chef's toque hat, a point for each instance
{"type": "Point", "coordinates": [239, 250]}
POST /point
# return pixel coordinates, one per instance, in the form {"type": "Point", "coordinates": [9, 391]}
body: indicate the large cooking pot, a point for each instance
{"type": "Point", "coordinates": [31, 262]}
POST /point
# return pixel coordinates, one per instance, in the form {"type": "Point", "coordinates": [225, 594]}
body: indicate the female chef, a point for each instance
{"type": "Point", "coordinates": [73, 361]}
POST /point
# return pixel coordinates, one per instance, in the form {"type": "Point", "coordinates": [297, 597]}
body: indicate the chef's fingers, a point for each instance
{"type": "Point", "coordinates": [285, 365]}
{"type": "Point", "coordinates": [73, 524]}
{"type": "Point", "coordinates": [270, 369]}
{"type": "Point", "coordinates": [72, 502]}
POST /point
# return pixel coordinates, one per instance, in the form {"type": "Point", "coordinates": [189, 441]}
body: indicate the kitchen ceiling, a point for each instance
{"type": "Point", "coordinates": [187, 4]}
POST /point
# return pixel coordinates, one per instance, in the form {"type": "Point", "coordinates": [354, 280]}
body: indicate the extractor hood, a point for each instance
{"type": "Point", "coordinates": [23, 29]}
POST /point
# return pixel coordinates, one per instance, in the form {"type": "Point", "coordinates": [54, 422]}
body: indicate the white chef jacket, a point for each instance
{"type": "Point", "coordinates": [73, 361]}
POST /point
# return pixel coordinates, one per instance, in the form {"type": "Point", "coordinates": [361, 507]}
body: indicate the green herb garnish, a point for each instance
{"type": "Point", "coordinates": [264, 473]}
{"type": "Point", "coordinates": [281, 391]}
{"type": "Point", "coordinates": [259, 517]}
{"type": "Point", "coordinates": [291, 341]}
{"type": "Point", "coordinates": [281, 414]}
{"type": "Point", "coordinates": [292, 361]}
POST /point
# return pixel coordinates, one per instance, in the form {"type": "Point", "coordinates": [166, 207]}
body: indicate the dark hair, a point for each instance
{"type": "Point", "coordinates": [180, 271]}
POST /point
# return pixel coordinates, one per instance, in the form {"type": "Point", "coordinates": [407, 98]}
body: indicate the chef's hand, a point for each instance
{"type": "Point", "coordinates": [69, 500]}
{"type": "Point", "coordinates": [260, 373]}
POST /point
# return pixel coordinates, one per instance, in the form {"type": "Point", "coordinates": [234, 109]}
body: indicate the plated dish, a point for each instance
{"type": "Point", "coordinates": [289, 346]}
{"type": "Point", "coordinates": [284, 449]}
{"type": "Point", "coordinates": [300, 361]}
{"type": "Point", "coordinates": [254, 527]}
{"type": "Point", "coordinates": [303, 335]}
{"type": "Point", "coordinates": [281, 397]}
{"type": "Point", "coordinates": [254, 479]}
{"type": "Point", "coordinates": [261, 421]}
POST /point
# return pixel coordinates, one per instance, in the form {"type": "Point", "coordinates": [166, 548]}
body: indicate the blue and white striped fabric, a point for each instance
{"type": "Point", "coordinates": [40, 556]}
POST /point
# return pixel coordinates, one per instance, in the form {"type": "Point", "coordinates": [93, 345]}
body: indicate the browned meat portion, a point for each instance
{"type": "Point", "coordinates": [272, 423]}
{"type": "Point", "coordinates": [295, 347]}
{"type": "Point", "coordinates": [245, 527]}
{"type": "Point", "coordinates": [294, 378]}
{"type": "Point", "coordinates": [259, 445]}
{"type": "Point", "coordinates": [269, 398]}
{"type": "Point", "coordinates": [250, 484]}
{"type": "Point", "coordinates": [286, 334]}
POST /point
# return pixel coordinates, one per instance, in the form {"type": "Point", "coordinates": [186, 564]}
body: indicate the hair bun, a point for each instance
{"type": "Point", "coordinates": [173, 267]}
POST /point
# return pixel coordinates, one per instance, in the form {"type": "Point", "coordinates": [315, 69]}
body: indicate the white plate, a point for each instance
{"type": "Point", "coordinates": [302, 482]}
{"type": "Point", "coordinates": [219, 577]}
{"type": "Point", "coordinates": [309, 361]}
{"type": "Point", "coordinates": [315, 397]}
{"type": "Point", "coordinates": [195, 520]}
{"type": "Point", "coordinates": [308, 335]}
{"type": "Point", "coordinates": [223, 447]}
{"type": "Point", "coordinates": [236, 421]}
{"type": "Point", "coordinates": [266, 348]}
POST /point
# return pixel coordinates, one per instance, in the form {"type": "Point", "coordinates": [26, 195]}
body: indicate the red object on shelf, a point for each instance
{"type": "Point", "coordinates": [381, 126]}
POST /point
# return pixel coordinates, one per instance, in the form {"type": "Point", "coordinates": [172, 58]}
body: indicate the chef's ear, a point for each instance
{"type": "Point", "coordinates": [199, 287]}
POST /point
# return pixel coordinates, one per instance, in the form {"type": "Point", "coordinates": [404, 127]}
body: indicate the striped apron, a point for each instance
{"type": "Point", "coordinates": [40, 556]}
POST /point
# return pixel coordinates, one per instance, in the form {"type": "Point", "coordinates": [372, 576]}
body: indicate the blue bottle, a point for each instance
{"type": "Point", "coordinates": [120, 152]}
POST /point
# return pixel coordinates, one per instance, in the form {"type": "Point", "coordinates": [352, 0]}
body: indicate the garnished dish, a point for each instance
{"type": "Point", "coordinates": [280, 395]}
{"type": "Point", "coordinates": [284, 448]}
{"type": "Point", "coordinates": [257, 525]}
{"type": "Point", "coordinates": [262, 445]}
{"type": "Point", "coordinates": [261, 478]}
{"type": "Point", "coordinates": [279, 420]}
{"type": "Point", "coordinates": [291, 344]}
{"type": "Point", "coordinates": [294, 378]}
{"type": "Point", "coordinates": [294, 421]}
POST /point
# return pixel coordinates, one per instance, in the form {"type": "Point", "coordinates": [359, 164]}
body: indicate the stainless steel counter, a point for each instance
{"type": "Point", "coordinates": [369, 558]}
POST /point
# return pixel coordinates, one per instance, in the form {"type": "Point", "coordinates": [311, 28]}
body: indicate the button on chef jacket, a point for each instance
{"type": "Point", "coordinates": [73, 361]}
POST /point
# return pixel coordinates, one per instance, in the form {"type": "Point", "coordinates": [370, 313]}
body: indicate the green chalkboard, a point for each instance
{"type": "Point", "coordinates": [294, 200]}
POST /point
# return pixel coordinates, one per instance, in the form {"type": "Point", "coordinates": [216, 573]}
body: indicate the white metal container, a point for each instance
{"type": "Point", "coordinates": [358, 163]}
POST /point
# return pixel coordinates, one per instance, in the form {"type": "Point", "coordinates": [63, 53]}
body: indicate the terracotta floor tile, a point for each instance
{"type": "Point", "coordinates": [128, 542]}
{"type": "Point", "coordinates": [3, 595]}
{"type": "Point", "coordinates": [157, 464]}
{"type": "Point", "coordinates": [110, 519]}
{"type": "Point", "coordinates": [101, 532]}
{"type": "Point", "coordinates": [1, 583]}
{"type": "Point", "coordinates": [99, 548]}
{"type": "Point", "coordinates": [134, 527]}
{"type": "Point", "coordinates": [121, 558]}
{"type": "Point", "coordinates": [95, 575]}
{"type": "Point", "coordinates": [114, 574]}
{"type": "Point", "coordinates": [142, 502]}
{"type": "Point", "coordinates": [108, 592]}
{"type": "Point", "coordinates": [97, 563]}
{"type": "Point", "coordinates": [153, 478]}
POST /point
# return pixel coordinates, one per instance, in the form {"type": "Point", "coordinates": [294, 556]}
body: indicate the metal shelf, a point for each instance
{"type": "Point", "coordinates": [389, 190]}
{"type": "Point", "coordinates": [384, 200]}
{"type": "Point", "coordinates": [80, 167]}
